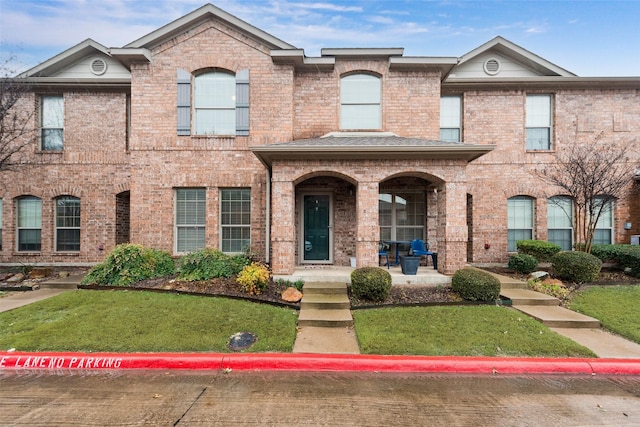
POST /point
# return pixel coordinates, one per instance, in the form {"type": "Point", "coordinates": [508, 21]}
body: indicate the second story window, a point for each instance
{"type": "Point", "coordinates": [539, 122]}
{"type": "Point", "coordinates": [51, 123]}
{"type": "Point", "coordinates": [360, 102]}
{"type": "Point", "coordinates": [213, 103]}
{"type": "Point", "coordinates": [450, 119]}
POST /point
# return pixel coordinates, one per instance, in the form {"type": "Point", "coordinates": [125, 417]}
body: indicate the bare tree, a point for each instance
{"type": "Point", "coordinates": [593, 175]}
{"type": "Point", "coordinates": [17, 128]}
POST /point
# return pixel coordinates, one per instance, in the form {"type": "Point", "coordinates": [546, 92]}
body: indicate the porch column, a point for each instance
{"type": "Point", "coordinates": [283, 228]}
{"type": "Point", "coordinates": [367, 230]}
{"type": "Point", "coordinates": [452, 210]}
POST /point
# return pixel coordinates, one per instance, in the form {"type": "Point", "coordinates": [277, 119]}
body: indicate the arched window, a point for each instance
{"type": "Point", "coordinates": [520, 220]}
{"type": "Point", "coordinates": [360, 100]}
{"type": "Point", "coordinates": [67, 224]}
{"type": "Point", "coordinates": [560, 221]}
{"type": "Point", "coordinates": [29, 224]}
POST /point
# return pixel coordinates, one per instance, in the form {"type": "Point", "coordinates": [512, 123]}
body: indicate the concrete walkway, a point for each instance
{"type": "Point", "coordinates": [48, 289]}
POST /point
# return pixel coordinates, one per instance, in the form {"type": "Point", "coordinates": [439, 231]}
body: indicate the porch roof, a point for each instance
{"type": "Point", "coordinates": [368, 146]}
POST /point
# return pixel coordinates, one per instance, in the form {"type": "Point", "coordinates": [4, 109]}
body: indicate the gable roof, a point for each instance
{"type": "Point", "coordinates": [200, 15]}
{"type": "Point", "coordinates": [519, 54]}
{"type": "Point", "coordinates": [57, 63]}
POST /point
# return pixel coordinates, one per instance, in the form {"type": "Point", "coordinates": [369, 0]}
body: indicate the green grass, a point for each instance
{"type": "Point", "coordinates": [460, 331]}
{"type": "Point", "coordinates": [125, 321]}
{"type": "Point", "coordinates": [617, 308]}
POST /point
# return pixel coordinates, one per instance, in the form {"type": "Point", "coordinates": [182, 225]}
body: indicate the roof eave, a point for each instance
{"type": "Point", "coordinates": [542, 82]}
{"type": "Point", "coordinates": [128, 56]}
{"type": "Point", "coordinates": [467, 152]}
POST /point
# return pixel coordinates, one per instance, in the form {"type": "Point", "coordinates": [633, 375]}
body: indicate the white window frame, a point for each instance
{"type": "Point", "coordinates": [214, 95]}
{"type": "Point", "coordinates": [360, 102]}
{"type": "Point", "coordinates": [193, 221]}
{"type": "Point", "coordinates": [28, 223]}
{"type": "Point", "coordinates": [51, 122]}
{"type": "Point", "coordinates": [229, 226]}
{"type": "Point", "coordinates": [539, 121]}
{"type": "Point", "coordinates": [69, 219]}
{"type": "Point", "coordinates": [520, 220]}
{"type": "Point", "coordinates": [451, 118]}
{"type": "Point", "coordinates": [605, 223]}
{"type": "Point", "coordinates": [392, 197]}
{"type": "Point", "coordinates": [560, 218]}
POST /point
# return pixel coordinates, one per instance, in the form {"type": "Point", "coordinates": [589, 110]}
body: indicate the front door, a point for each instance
{"type": "Point", "coordinates": [316, 220]}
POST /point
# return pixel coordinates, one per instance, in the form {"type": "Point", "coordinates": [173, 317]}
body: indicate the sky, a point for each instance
{"type": "Point", "coordinates": [587, 37]}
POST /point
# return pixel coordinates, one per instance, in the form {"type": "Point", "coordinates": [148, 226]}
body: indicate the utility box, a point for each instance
{"type": "Point", "coordinates": [635, 239]}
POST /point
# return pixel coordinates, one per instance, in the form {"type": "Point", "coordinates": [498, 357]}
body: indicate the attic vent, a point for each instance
{"type": "Point", "coordinates": [98, 66]}
{"type": "Point", "coordinates": [492, 66]}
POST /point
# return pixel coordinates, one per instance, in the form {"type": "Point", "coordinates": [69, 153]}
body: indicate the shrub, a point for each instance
{"type": "Point", "coordinates": [254, 278]}
{"type": "Point", "coordinates": [205, 264]}
{"type": "Point", "coordinates": [522, 263]}
{"type": "Point", "coordinates": [540, 249]}
{"type": "Point", "coordinates": [130, 263]}
{"type": "Point", "coordinates": [475, 285]}
{"type": "Point", "coordinates": [555, 290]}
{"type": "Point", "coordinates": [578, 267]}
{"type": "Point", "coordinates": [629, 257]}
{"type": "Point", "coordinates": [370, 283]}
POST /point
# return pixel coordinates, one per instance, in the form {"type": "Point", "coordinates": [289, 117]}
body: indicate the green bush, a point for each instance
{"type": "Point", "coordinates": [522, 263]}
{"type": "Point", "coordinates": [370, 283]}
{"type": "Point", "coordinates": [130, 263]}
{"type": "Point", "coordinates": [205, 264]}
{"type": "Point", "coordinates": [475, 285]}
{"type": "Point", "coordinates": [578, 267]}
{"type": "Point", "coordinates": [629, 257]}
{"type": "Point", "coordinates": [539, 249]}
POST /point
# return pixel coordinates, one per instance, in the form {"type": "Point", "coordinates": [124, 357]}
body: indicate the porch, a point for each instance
{"type": "Point", "coordinates": [426, 276]}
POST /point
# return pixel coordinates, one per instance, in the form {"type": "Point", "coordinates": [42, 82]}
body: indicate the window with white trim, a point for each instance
{"type": "Point", "coordinates": [235, 219]}
{"type": "Point", "coordinates": [51, 123]}
{"type": "Point", "coordinates": [450, 118]}
{"type": "Point", "coordinates": [401, 215]}
{"type": "Point", "coordinates": [519, 220]}
{"type": "Point", "coordinates": [560, 221]}
{"type": "Point", "coordinates": [360, 102]}
{"type": "Point", "coordinates": [29, 224]}
{"type": "Point", "coordinates": [215, 103]}
{"type": "Point", "coordinates": [67, 224]}
{"type": "Point", "coordinates": [603, 234]}
{"type": "Point", "coordinates": [539, 121]}
{"type": "Point", "coordinates": [190, 219]}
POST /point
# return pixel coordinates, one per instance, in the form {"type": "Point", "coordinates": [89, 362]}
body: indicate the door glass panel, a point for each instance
{"type": "Point", "coordinates": [316, 228]}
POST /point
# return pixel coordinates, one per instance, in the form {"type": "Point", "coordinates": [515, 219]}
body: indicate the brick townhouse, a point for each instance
{"type": "Point", "coordinates": [211, 132]}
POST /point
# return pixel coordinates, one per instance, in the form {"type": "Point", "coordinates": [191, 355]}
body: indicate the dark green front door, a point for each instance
{"type": "Point", "coordinates": [317, 228]}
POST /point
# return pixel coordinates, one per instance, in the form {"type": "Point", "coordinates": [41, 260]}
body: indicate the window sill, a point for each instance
{"type": "Point", "coordinates": [214, 136]}
{"type": "Point", "coordinates": [49, 151]}
{"type": "Point", "coordinates": [26, 253]}
{"type": "Point", "coordinates": [65, 254]}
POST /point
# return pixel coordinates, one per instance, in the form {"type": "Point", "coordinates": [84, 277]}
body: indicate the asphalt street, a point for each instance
{"type": "Point", "coordinates": [212, 398]}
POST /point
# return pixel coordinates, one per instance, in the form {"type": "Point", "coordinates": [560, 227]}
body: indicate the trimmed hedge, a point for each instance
{"type": "Point", "coordinates": [370, 283]}
{"type": "Point", "coordinates": [628, 256]}
{"type": "Point", "coordinates": [578, 267]}
{"type": "Point", "coordinates": [522, 263]}
{"type": "Point", "coordinates": [539, 249]}
{"type": "Point", "coordinates": [475, 285]}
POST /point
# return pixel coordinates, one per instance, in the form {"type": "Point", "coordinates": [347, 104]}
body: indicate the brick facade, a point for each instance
{"type": "Point", "coordinates": [124, 159]}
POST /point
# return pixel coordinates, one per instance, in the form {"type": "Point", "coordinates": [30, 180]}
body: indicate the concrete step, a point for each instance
{"type": "Point", "coordinates": [528, 297]}
{"type": "Point", "coordinates": [69, 282]}
{"type": "Point", "coordinates": [313, 339]}
{"type": "Point", "coordinates": [325, 301]}
{"type": "Point", "coordinates": [507, 282]}
{"type": "Point", "coordinates": [558, 317]}
{"type": "Point", "coordinates": [324, 288]}
{"type": "Point", "coordinates": [325, 318]}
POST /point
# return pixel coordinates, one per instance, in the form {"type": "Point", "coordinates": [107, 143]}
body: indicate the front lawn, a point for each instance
{"type": "Point", "coordinates": [459, 331]}
{"type": "Point", "coordinates": [126, 321]}
{"type": "Point", "coordinates": [617, 308]}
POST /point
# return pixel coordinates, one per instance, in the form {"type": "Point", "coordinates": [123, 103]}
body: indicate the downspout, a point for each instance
{"type": "Point", "coordinates": [268, 217]}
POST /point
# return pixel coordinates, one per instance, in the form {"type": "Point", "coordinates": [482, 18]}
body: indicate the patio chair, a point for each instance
{"type": "Point", "coordinates": [418, 249]}
{"type": "Point", "coordinates": [383, 249]}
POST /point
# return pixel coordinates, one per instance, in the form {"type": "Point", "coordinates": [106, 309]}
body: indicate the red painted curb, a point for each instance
{"type": "Point", "coordinates": [316, 362]}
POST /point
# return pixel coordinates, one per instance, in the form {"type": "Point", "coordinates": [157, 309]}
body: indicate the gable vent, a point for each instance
{"type": "Point", "coordinates": [492, 66]}
{"type": "Point", "coordinates": [98, 66]}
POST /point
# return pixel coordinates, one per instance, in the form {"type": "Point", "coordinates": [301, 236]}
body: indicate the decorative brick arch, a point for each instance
{"type": "Point", "coordinates": [65, 190]}
{"type": "Point", "coordinates": [332, 173]}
